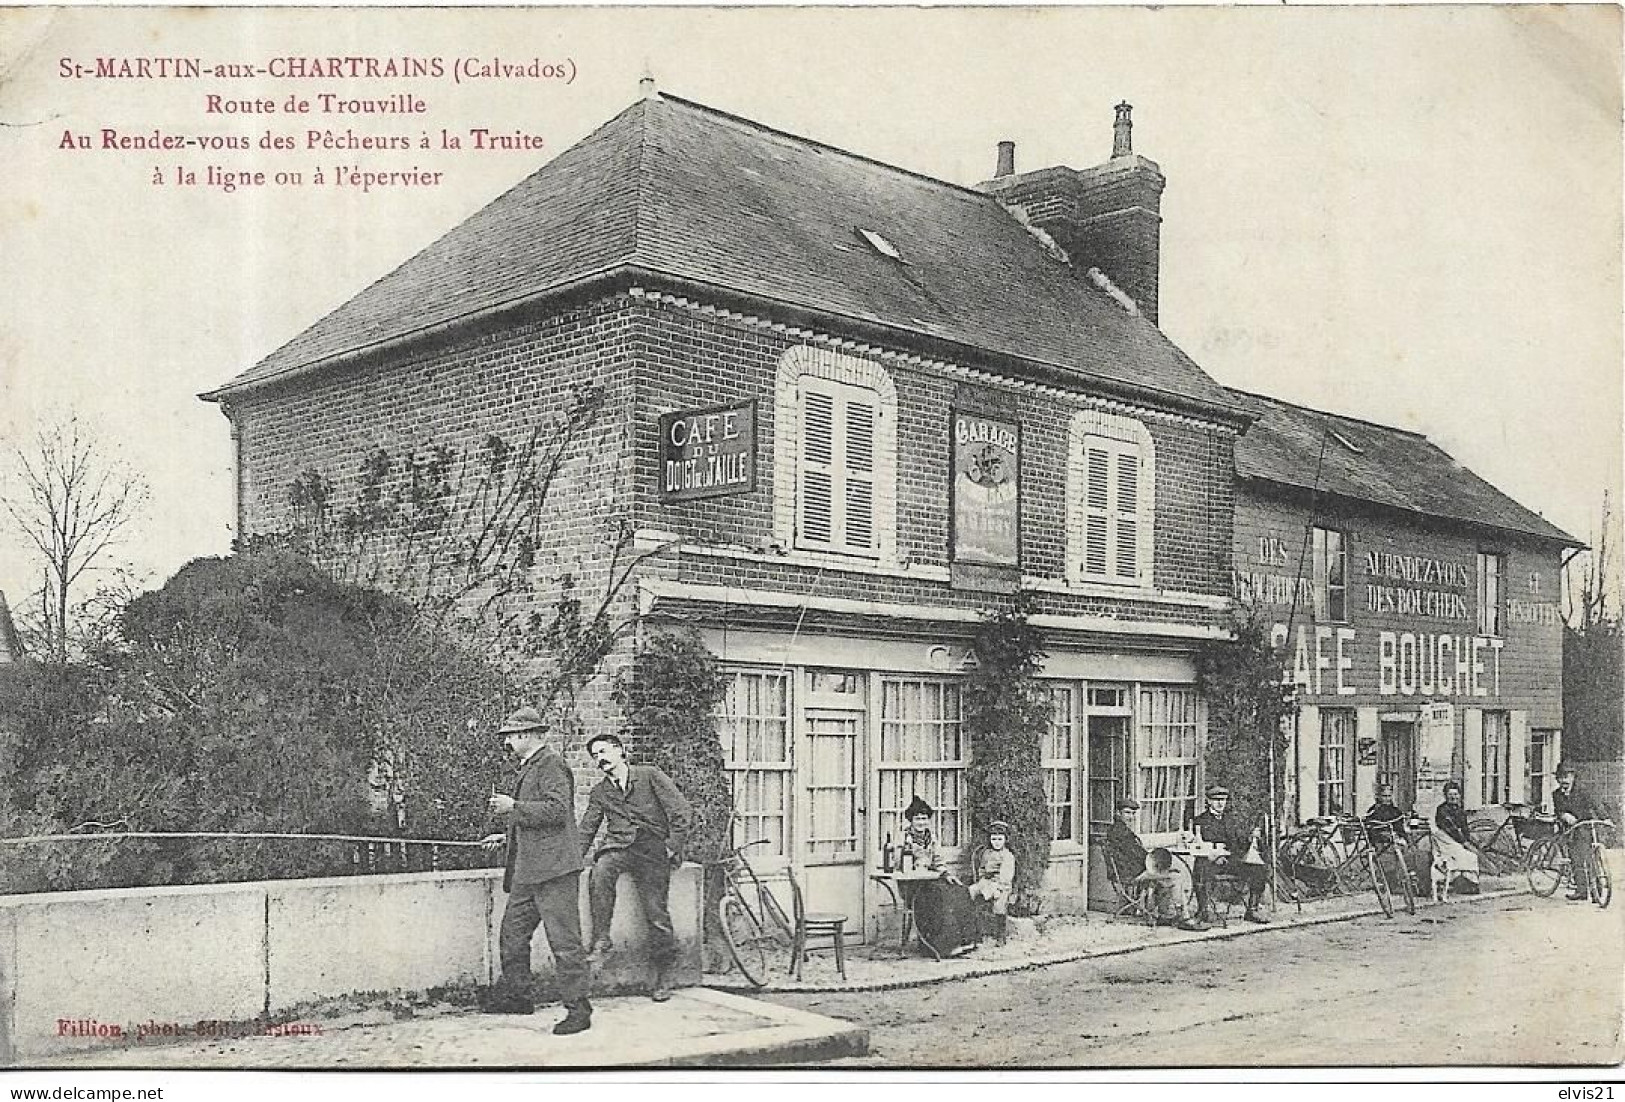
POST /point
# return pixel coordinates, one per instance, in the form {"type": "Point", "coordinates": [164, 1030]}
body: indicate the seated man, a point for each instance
{"type": "Point", "coordinates": [1170, 895]}
{"type": "Point", "coordinates": [1573, 804]}
{"type": "Point", "coordinates": [1216, 824]}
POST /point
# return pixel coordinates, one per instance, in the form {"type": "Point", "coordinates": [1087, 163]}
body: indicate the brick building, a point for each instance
{"type": "Point", "coordinates": [862, 405]}
{"type": "Point", "coordinates": [855, 406]}
{"type": "Point", "coordinates": [1420, 607]}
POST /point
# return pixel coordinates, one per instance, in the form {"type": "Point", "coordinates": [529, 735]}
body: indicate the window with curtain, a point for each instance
{"type": "Point", "coordinates": [1060, 763]}
{"type": "Point", "coordinates": [1167, 753]}
{"type": "Point", "coordinates": [923, 753]}
{"type": "Point", "coordinates": [1491, 593]}
{"type": "Point", "coordinates": [1538, 765]}
{"type": "Point", "coordinates": [1330, 550]}
{"type": "Point", "coordinates": [835, 481]}
{"type": "Point", "coordinates": [755, 732]}
{"type": "Point", "coordinates": [1336, 744]}
{"type": "Point", "coordinates": [1497, 748]}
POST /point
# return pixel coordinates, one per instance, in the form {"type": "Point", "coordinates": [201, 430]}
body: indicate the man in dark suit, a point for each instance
{"type": "Point", "coordinates": [1571, 804]}
{"type": "Point", "coordinates": [543, 875]}
{"type": "Point", "coordinates": [646, 821]}
{"type": "Point", "coordinates": [1216, 824]}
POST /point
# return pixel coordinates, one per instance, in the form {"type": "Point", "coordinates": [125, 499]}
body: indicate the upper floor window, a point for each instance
{"type": "Point", "coordinates": [1111, 483]}
{"type": "Point", "coordinates": [835, 454]}
{"type": "Point", "coordinates": [1491, 593]}
{"type": "Point", "coordinates": [1331, 575]}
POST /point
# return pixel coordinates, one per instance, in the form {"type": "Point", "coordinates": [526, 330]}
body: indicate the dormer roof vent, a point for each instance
{"type": "Point", "coordinates": [879, 244]}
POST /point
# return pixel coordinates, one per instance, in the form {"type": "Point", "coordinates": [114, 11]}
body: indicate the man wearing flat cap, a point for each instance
{"type": "Point", "coordinates": [542, 876]}
{"type": "Point", "coordinates": [1218, 824]}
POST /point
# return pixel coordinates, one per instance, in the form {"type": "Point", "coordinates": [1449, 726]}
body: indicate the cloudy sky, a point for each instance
{"type": "Point", "coordinates": [1410, 215]}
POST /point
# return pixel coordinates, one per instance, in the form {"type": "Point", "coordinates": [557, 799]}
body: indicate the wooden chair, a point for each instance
{"type": "Point", "coordinates": [814, 924]}
{"type": "Point", "coordinates": [1133, 900]}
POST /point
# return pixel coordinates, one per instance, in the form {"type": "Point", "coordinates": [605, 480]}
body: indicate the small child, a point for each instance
{"type": "Point", "coordinates": [996, 872]}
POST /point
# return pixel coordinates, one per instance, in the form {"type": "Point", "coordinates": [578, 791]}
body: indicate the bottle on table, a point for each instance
{"type": "Point", "coordinates": [886, 855]}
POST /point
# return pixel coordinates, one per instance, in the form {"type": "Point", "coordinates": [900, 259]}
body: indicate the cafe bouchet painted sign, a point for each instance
{"type": "Point", "coordinates": [987, 464]}
{"type": "Point", "coordinates": [708, 452]}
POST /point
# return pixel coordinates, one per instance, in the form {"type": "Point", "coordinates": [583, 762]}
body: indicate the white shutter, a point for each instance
{"type": "Point", "coordinates": [1126, 512]}
{"type": "Point", "coordinates": [1308, 762]}
{"type": "Point", "coordinates": [816, 497]}
{"type": "Point", "coordinates": [1518, 752]}
{"type": "Point", "coordinates": [1363, 778]}
{"type": "Point", "coordinates": [1472, 757]}
{"type": "Point", "coordinates": [859, 471]}
{"type": "Point", "coordinates": [1096, 510]}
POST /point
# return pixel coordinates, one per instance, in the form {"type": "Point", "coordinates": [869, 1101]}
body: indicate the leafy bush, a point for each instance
{"type": "Point", "coordinates": [670, 703]}
{"type": "Point", "coordinates": [254, 694]}
{"type": "Point", "coordinates": [1248, 698]}
{"type": "Point", "coordinates": [1005, 717]}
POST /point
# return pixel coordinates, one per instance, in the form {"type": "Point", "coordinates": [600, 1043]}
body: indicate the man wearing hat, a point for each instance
{"type": "Point", "coordinates": [542, 876]}
{"type": "Point", "coordinates": [1572, 804]}
{"type": "Point", "coordinates": [1217, 824]}
{"type": "Point", "coordinates": [1170, 896]}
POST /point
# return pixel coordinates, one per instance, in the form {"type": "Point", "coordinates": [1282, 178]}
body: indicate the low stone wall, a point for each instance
{"type": "Point", "coordinates": [77, 966]}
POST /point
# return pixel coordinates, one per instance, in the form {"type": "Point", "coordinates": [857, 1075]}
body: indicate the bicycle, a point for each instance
{"type": "Point", "coordinates": [750, 931]}
{"type": "Point", "coordinates": [1503, 846]}
{"type": "Point", "coordinates": [1399, 848]}
{"type": "Point", "coordinates": [1549, 863]}
{"type": "Point", "coordinates": [1323, 858]}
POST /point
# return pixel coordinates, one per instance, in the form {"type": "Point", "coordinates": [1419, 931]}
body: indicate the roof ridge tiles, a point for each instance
{"type": "Point", "coordinates": [1329, 413]}
{"type": "Point", "coordinates": [825, 147]}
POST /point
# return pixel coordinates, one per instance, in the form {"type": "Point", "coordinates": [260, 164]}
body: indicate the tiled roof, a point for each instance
{"type": "Point", "coordinates": [1392, 467]}
{"type": "Point", "coordinates": [671, 188]}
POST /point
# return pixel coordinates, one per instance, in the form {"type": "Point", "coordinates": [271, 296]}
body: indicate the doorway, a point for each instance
{"type": "Point", "coordinates": [834, 805]}
{"type": "Point", "coordinates": [1396, 760]}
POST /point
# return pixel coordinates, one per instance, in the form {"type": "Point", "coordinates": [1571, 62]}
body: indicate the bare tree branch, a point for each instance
{"type": "Point", "coordinates": [77, 503]}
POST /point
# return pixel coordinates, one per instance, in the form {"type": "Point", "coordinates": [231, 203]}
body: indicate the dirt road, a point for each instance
{"type": "Point", "coordinates": [1515, 981]}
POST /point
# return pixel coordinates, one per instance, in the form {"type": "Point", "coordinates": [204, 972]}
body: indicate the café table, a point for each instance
{"type": "Point", "coordinates": [1189, 850]}
{"type": "Point", "coordinates": [901, 886]}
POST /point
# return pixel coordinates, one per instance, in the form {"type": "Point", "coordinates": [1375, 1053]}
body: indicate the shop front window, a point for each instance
{"type": "Point", "coordinates": [1060, 764]}
{"type": "Point", "coordinates": [1168, 751]}
{"type": "Point", "coordinates": [1336, 737]}
{"type": "Point", "coordinates": [922, 753]}
{"type": "Point", "coordinates": [755, 731]}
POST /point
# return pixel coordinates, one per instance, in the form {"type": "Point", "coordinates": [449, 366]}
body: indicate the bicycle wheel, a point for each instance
{"type": "Point", "coordinates": [1379, 884]}
{"type": "Point", "coordinates": [1602, 885]}
{"type": "Point", "coordinates": [745, 942]}
{"type": "Point", "coordinates": [1544, 866]}
{"type": "Point", "coordinates": [776, 924]}
{"type": "Point", "coordinates": [1407, 882]}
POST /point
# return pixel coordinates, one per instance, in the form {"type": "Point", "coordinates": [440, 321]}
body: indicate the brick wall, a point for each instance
{"type": "Point", "coordinates": [696, 359]}
{"type": "Point", "coordinates": [503, 379]}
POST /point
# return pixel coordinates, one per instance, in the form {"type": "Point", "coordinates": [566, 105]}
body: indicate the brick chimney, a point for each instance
{"type": "Point", "coordinates": [1107, 217]}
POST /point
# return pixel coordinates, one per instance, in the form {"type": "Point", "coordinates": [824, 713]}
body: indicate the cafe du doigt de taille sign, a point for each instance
{"type": "Point", "coordinates": [708, 452]}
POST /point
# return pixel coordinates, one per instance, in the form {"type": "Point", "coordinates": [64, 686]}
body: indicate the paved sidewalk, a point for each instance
{"type": "Point", "coordinates": [697, 1028]}
{"type": "Point", "coordinates": [1061, 939]}
{"type": "Point", "coordinates": [704, 1026]}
